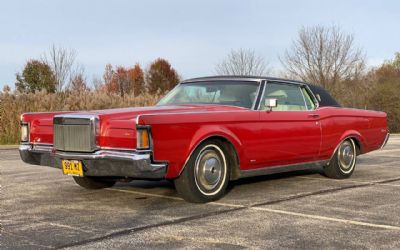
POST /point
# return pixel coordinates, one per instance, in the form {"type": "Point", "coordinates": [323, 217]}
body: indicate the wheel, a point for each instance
{"type": "Point", "coordinates": [343, 162]}
{"type": "Point", "coordinates": [206, 174]}
{"type": "Point", "coordinates": [93, 182]}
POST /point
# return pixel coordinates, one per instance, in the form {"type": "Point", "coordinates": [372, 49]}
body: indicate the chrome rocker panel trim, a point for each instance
{"type": "Point", "coordinates": [99, 163]}
{"type": "Point", "coordinates": [283, 169]}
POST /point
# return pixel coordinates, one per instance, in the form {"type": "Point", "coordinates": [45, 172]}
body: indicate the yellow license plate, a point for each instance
{"type": "Point", "coordinates": [72, 167]}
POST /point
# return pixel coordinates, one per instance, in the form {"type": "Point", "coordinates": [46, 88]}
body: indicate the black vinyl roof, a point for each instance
{"type": "Point", "coordinates": [324, 98]}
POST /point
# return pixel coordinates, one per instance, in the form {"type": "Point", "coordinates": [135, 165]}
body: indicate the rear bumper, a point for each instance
{"type": "Point", "coordinates": [110, 163]}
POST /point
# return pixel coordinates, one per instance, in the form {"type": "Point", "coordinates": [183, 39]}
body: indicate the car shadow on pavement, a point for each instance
{"type": "Point", "coordinates": [167, 187]}
{"type": "Point", "coordinates": [271, 177]}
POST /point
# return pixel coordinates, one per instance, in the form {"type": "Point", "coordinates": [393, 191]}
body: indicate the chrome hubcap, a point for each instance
{"type": "Point", "coordinates": [209, 170]}
{"type": "Point", "coordinates": [346, 155]}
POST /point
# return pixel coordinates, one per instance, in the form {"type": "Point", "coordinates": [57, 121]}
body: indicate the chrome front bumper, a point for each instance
{"type": "Point", "coordinates": [110, 163]}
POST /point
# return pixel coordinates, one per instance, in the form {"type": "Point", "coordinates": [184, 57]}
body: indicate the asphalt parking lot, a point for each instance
{"type": "Point", "coordinates": [41, 208]}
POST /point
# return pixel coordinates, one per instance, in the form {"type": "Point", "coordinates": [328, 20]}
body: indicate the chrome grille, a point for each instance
{"type": "Point", "coordinates": [74, 133]}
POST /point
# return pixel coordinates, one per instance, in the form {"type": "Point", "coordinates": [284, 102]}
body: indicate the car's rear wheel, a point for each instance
{"type": "Point", "coordinates": [206, 174]}
{"type": "Point", "coordinates": [93, 182]}
{"type": "Point", "coordinates": [343, 162]}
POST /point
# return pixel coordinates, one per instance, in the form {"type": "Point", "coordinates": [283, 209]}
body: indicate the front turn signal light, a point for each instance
{"type": "Point", "coordinates": [24, 132]}
{"type": "Point", "coordinates": [143, 138]}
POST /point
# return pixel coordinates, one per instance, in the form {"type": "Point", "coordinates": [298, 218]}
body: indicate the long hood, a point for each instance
{"type": "Point", "coordinates": [117, 127]}
{"type": "Point", "coordinates": [132, 113]}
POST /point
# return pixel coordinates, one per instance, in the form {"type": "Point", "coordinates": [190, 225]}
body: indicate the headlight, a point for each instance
{"type": "Point", "coordinates": [143, 138]}
{"type": "Point", "coordinates": [24, 132]}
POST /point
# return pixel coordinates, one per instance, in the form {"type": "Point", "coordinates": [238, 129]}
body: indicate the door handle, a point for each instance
{"type": "Point", "coordinates": [313, 115]}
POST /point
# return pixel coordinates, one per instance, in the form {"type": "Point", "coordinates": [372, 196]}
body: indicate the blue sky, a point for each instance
{"type": "Point", "coordinates": [193, 35]}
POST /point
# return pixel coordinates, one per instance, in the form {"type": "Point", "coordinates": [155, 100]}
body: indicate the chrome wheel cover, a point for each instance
{"type": "Point", "coordinates": [210, 170]}
{"type": "Point", "coordinates": [347, 156]}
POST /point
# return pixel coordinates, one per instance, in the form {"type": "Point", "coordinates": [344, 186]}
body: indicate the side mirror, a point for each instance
{"type": "Point", "coordinates": [271, 103]}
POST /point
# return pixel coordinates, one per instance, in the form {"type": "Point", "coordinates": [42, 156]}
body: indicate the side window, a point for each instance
{"type": "Point", "coordinates": [307, 98]}
{"type": "Point", "coordinates": [289, 97]}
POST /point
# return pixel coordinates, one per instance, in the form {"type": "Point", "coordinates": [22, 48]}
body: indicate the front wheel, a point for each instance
{"type": "Point", "coordinates": [206, 174]}
{"type": "Point", "coordinates": [343, 162]}
{"type": "Point", "coordinates": [93, 182]}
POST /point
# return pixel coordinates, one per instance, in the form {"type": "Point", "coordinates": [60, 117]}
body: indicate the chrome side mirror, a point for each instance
{"type": "Point", "coordinates": [271, 103]}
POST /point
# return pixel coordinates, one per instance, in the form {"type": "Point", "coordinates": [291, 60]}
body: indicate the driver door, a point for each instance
{"type": "Point", "coordinates": [290, 132]}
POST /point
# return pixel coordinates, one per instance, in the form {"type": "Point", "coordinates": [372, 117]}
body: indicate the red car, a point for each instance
{"type": "Point", "coordinates": [204, 133]}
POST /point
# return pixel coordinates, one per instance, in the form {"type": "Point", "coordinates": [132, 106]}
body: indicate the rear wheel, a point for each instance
{"type": "Point", "coordinates": [343, 162]}
{"type": "Point", "coordinates": [206, 174]}
{"type": "Point", "coordinates": [93, 182]}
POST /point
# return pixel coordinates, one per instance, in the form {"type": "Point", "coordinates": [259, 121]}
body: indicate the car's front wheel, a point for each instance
{"type": "Point", "coordinates": [93, 182]}
{"type": "Point", "coordinates": [343, 162]}
{"type": "Point", "coordinates": [206, 174]}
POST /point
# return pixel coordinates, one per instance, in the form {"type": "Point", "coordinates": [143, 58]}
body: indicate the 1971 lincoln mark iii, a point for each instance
{"type": "Point", "coordinates": [204, 133]}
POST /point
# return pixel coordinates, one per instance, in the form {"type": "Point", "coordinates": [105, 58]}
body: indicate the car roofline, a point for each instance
{"type": "Point", "coordinates": [242, 78]}
{"type": "Point", "coordinates": [315, 89]}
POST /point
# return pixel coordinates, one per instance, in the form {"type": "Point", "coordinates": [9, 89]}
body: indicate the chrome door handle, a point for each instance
{"type": "Point", "coordinates": [313, 115]}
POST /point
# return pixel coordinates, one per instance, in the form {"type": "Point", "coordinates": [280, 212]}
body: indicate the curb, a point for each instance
{"type": "Point", "coordinates": [5, 147]}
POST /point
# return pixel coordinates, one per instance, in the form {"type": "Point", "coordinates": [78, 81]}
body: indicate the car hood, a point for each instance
{"type": "Point", "coordinates": [132, 113]}
{"type": "Point", "coordinates": [117, 126]}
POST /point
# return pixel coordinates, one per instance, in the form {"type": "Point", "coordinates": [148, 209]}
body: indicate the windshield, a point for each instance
{"type": "Point", "coordinates": [234, 93]}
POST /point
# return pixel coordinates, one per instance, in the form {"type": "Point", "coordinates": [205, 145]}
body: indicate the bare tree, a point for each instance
{"type": "Point", "coordinates": [6, 89]}
{"type": "Point", "coordinates": [242, 62]}
{"type": "Point", "coordinates": [108, 74]}
{"type": "Point", "coordinates": [97, 83]}
{"type": "Point", "coordinates": [61, 61]}
{"type": "Point", "coordinates": [324, 55]}
{"type": "Point", "coordinates": [77, 80]}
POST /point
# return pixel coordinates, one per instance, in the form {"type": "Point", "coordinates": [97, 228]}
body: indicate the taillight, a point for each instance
{"type": "Point", "coordinates": [24, 132]}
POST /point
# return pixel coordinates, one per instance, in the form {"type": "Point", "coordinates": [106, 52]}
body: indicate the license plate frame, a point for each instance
{"type": "Point", "coordinates": [72, 167]}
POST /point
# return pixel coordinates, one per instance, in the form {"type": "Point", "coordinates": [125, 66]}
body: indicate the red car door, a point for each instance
{"type": "Point", "coordinates": [291, 131]}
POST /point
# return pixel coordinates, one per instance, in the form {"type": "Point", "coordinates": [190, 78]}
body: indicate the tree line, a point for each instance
{"type": "Point", "coordinates": [58, 72]}
{"type": "Point", "coordinates": [324, 55]}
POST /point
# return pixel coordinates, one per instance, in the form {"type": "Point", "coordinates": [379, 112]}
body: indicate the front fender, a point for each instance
{"type": "Point", "coordinates": [207, 132]}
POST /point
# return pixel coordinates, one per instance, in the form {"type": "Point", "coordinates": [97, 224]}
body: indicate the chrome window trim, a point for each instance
{"type": "Point", "coordinates": [313, 97]}
{"type": "Point", "coordinates": [262, 94]}
{"type": "Point", "coordinates": [257, 97]}
{"type": "Point", "coordinates": [304, 99]}
{"type": "Point", "coordinates": [224, 78]}
{"type": "Point", "coordinates": [255, 80]}
{"type": "Point", "coordinates": [300, 85]}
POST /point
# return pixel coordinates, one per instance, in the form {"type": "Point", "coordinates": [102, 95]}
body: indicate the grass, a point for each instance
{"type": "Point", "coordinates": [13, 105]}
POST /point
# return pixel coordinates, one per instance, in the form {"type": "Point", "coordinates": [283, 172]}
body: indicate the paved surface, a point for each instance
{"type": "Point", "coordinates": [41, 208]}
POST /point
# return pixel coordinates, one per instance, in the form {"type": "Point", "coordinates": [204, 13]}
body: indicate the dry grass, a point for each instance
{"type": "Point", "coordinates": [13, 105]}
